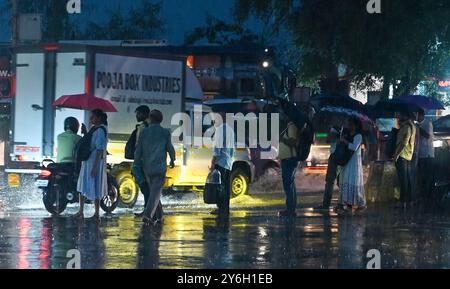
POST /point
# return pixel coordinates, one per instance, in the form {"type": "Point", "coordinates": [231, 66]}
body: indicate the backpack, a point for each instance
{"type": "Point", "coordinates": [306, 133]}
{"type": "Point", "coordinates": [83, 147]}
{"type": "Point", "coordinates": [306, 139]}
{"type": "Point", "coordinates": [130, 147]}
{"type": "Point", "coordinates": [391, 144]}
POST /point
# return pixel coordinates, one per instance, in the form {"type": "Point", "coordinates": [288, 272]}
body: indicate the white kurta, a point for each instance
{"type": "Point", "coordinates": [351, 183]}
{"type": "Point", "coordinates": [94, 188]}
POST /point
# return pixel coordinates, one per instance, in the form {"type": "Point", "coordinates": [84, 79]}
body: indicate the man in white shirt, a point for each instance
{"type": "Point", "coordinates": [223, 155]}
{"type": "Point", "coordinates": [426, 155]}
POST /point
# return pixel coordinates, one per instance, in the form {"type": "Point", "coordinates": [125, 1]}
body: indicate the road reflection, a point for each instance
{"type": "Point", "coordinates": [249, 239]}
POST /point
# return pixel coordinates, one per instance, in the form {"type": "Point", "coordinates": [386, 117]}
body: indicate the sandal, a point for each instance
{"type": "Point", "coordinates": [78, 216]}
{"type": "Point", "coordinates": [338, 208]}
{"type": "Point", "coordinates": [344, 209]}
{"type": "Point", "coordinates": [361, 208]}
{"type": "Point", "coordinates": [147, 220]}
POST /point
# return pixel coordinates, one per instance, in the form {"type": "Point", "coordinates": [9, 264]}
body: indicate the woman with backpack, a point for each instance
{"type": "Point", "coordinates": [92, 182]}
{"type": "Point", "coordinates": [351, 184]}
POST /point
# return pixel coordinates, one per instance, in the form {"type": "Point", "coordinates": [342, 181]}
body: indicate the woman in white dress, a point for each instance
{"type": "Point", "coordinates": [351, 183]}
{"type": "Point", "coordinates": [92, 182]}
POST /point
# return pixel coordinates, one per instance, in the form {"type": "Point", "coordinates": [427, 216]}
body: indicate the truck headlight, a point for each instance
{"type": "Point", "coordinates": [438, 143]}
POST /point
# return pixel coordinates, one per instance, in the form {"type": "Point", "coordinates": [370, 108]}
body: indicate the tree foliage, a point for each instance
{"type": "Point", "coordinates": [142, 21]}
{"type": "Point", "coordinates": [408, 41]}
{"type": "Point", "coordinates": [217, 31]}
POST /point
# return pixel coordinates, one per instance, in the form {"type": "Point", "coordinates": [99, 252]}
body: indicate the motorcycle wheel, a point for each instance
{"type": "Point", "coordinates": [55, 203]}
{"type": "Point", "coordinates": [110, 201]}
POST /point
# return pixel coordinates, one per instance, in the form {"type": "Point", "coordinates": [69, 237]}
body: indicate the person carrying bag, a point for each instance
{"type": "Point", "coordinates": [213, 187]}
{"type": "Point", "coordinates": [351, 184]}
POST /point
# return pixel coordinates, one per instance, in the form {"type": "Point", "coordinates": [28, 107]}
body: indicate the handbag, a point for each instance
{"type": "Point", "coordinates": [213, 187]}
{"type": "Point", "coordinates": [342, 154]}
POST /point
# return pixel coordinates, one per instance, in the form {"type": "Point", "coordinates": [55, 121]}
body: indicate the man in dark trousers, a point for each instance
{"type": "Point", "coordinates": [223, 154]}
{"type": "Point", "coordinates": [403, 157]}
{"type": "Point", "coordinates": [142, 117]}
{"type": "Point", "coordinates": [426, 156]}
{"type": "Point", "coordinates": [414, 170]}
{"type": "Point", "coordinates": [332, 170]}
{"type": "Point", "coordinates": [154, 144]}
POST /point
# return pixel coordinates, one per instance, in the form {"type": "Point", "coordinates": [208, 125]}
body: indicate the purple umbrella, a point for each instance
{"type": "Point", "coordinates": [347, 112]}
{"type": "Point", "coordinates": [423, 102]}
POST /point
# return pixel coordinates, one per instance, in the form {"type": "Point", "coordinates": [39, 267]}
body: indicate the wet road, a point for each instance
{"type": "Point", "coordinates": [252, 238]}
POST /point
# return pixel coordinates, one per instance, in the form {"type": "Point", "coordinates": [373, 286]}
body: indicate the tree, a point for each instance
{"type": "Point", "coordinates": [217, 31]}
{"type": "Point", "coordinates": [142, 21]}
{"type": "Point", "coordinates": [407, 42]}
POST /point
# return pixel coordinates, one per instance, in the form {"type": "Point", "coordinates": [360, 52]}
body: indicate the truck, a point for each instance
{"type": "Point", "coordinates": [128, 76]}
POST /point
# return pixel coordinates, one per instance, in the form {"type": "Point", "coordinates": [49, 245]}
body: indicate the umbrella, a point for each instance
{"type": "Point", "coordinates": [293, 112]}
{"type": "Point", "coordinates": [84, 102]}
{"type": "Point", "coordinates": [423, 102]}
{"type": "Point", "coordinates": [335, 99]}
{"type": "Point", "coordinates": [346, 112]}
{"type": "Point", "coordinates": [387, 108]}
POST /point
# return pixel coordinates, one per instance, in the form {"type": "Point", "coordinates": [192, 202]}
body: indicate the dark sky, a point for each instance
{"type": "Point", "coordinates": [179, 16]}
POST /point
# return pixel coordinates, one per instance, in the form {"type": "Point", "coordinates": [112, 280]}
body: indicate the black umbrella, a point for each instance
{"type": "Point", "coordinates": [387, 108]}
{"type": "Point", "coordinates": [293, 112]}
{"type": "Point", "coordinates": [423, 101]}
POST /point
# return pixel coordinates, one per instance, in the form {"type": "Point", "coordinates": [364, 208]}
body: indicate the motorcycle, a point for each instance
{"type": "Point", "coordinates": [58, 183]}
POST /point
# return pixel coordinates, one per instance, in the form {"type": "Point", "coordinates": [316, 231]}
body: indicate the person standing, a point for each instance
{"type": "Point", "coordinates": [289, 163]}
{"type": "Point", "coordinates": [67, 141]}
{"type": "Point", "coordinates": [92, 182]}
{"type": "Point", "coordinates": [154, 144]}
{"type": "Point", "coordinates": [403, 156]}
{"type": "Point", "coordinates": [223, 155]}
{"type": "Point", "coordinates": [414, 170]}
{"type": "Point", "coordinates": [351, 182]}
{"type": "Point", "coordinates": [332, 171]}
{"type": "Point", "coordinates": [426, 156]}
{"type": "Point", "coordinates": [142, 117]}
